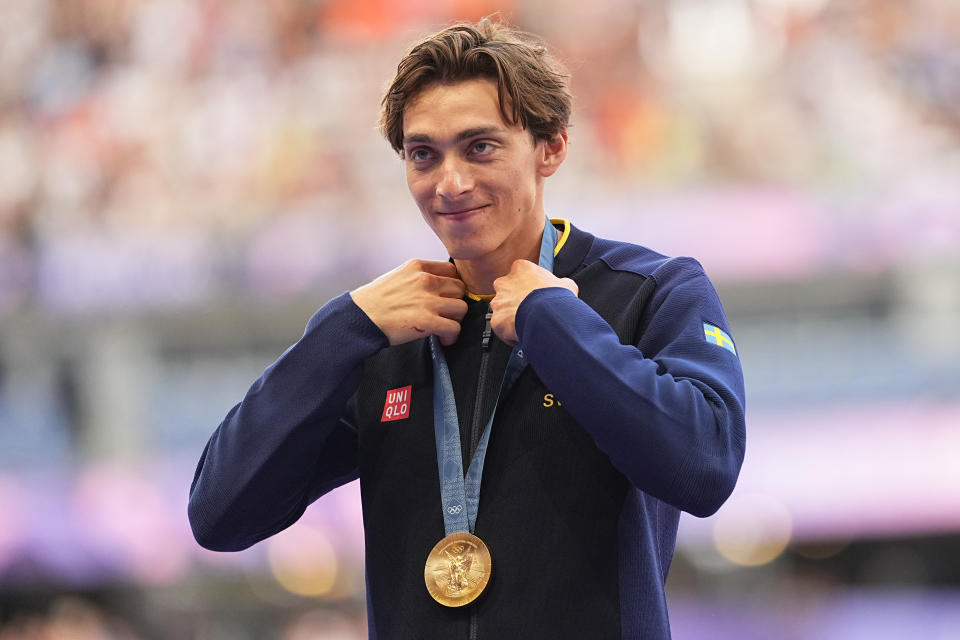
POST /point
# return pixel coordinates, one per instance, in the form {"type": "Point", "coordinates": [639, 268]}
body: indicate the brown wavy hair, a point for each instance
{"type": "Point", "coordinates": [531, 83]}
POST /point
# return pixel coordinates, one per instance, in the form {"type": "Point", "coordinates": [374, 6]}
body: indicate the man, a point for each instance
{"type": "Point", "coordinates": [528, 419]}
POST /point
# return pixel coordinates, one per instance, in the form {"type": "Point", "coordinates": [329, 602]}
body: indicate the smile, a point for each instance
{"type": "Point", "coordinates": [460, 214]}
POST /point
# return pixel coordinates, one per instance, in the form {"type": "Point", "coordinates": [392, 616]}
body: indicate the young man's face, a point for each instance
{"type": "Point", "coordinates": [477, 180]}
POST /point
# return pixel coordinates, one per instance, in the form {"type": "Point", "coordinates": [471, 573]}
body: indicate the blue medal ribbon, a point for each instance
{"type": "Point", "coordinates": [459, 495]}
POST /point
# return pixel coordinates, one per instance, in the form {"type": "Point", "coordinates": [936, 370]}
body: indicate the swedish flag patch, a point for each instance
{"type": "Point", "coordinates": [716, 335]}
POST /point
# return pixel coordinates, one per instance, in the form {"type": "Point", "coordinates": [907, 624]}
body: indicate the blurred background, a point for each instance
{"type": "Point", "coordinates": [183, 182]}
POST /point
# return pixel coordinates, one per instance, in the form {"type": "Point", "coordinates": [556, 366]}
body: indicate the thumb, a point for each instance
{"type": "Point", "coordinates": [570, 284]}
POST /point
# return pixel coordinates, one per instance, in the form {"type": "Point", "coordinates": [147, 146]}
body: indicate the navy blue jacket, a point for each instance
{"type": "Point", "coordinates": [632, 409]}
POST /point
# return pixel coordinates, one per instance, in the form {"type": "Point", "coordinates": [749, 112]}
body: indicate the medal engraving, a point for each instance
{"type": "Point", "coordinates": [457, 569]}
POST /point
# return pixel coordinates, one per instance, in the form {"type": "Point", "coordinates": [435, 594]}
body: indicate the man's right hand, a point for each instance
{"type": "Point", "coordinates": [417, 299]}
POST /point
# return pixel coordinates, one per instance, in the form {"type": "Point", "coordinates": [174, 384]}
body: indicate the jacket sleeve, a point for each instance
{"type": "Point", "coordinates": [289, 440]}
{"type": "Point", "coordinates": [668, 410]}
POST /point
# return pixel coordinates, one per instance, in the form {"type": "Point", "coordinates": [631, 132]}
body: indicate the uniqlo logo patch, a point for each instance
{"type": "Point", "coordinates": [397, 406]}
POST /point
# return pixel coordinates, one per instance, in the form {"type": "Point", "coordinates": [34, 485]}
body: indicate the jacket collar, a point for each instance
{"type": "Point", "coordinates": [572, 247]}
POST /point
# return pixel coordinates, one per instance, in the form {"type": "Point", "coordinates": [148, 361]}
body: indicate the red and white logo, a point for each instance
{"type": "Point", "coordinates": [397, 406]}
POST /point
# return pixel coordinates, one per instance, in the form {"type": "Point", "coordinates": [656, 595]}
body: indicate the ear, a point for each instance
{"type": "Point", "coordinates": [552, 153]}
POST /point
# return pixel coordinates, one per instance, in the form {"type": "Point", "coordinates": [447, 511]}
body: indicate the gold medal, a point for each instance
{"type": "Point", "coordinates": [457, 569]}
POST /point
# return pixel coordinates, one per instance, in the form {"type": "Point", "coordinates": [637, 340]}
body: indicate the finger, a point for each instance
{"type": "Point", "coordinates": [436, 267]}
{"type": "Point", "coordinates": [446, 330]}
{"type": "Point", "coordinates": [521, 264]}
{"type": "Point", "coordinates": [506, 331]}
{"type": "Point", "coordinates": [452, 308]}
{"type": "Point", "coordinates": [451, 287]}
{"type": "Point", "coordinates": [446, 341]}
{"type": "Point", "coordinates": [440, 285]}
{"type": "Point", "coordinates": [502, 322]}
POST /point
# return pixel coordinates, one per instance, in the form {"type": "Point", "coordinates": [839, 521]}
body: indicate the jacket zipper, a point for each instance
{"type": "Point", "coordinates": [476, 427]}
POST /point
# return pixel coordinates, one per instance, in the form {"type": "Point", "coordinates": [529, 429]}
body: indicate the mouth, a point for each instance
{"type": "Point", "coordinates": [460, 214]}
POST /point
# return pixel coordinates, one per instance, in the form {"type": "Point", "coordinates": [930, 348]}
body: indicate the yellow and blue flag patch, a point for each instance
{"type": "Point", "coordinates": [716, 335]}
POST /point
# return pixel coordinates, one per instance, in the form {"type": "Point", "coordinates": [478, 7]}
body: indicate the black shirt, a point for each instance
{"type": "Point", "coordinates": [476, 375]}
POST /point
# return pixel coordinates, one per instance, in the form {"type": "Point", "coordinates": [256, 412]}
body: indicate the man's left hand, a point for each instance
{"type": "Point", "coordinates": [511, 290]}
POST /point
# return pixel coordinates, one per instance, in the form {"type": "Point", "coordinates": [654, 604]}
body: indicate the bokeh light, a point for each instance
{"type": "Point", "coordinates": [752, 529]}
{"type": "Point", "coordinates": [303, 561]}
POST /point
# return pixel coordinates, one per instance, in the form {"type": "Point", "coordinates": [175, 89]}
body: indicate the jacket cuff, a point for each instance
{"type": "Point", "coordinates": [539, 301]}
{"type": "Point", "coordinates": [342, 318]}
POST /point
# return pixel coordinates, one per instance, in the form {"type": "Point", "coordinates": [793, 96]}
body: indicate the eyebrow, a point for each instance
{"type": "Point", "coordinates": [460, 137]}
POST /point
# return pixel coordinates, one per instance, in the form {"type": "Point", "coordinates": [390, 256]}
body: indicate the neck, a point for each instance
{"type": "Point", "coordinates": [478, 274]}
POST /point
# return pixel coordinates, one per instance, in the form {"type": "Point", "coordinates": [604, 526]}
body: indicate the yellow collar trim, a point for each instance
{"type": "Point", "coordinates": [477, 296]}
{"type": "Point", "coordinates": [564, 234]}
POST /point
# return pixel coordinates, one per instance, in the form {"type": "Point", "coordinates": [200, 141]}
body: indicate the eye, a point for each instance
{"type": "Point", "coordinates": [481, 147]}
{"type": "Point", "coordinates": [420, 154]}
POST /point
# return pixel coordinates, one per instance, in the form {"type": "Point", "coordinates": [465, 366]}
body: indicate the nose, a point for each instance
{"type": "Point", "coordinates": [455, 179]}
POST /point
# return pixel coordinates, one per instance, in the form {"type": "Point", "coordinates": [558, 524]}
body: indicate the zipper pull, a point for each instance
{"type": "Point", "coordinates": [487, 331]}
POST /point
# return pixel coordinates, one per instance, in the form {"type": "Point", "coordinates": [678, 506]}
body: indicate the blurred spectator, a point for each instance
{"type": "Point", "coordinates": [182, 133]}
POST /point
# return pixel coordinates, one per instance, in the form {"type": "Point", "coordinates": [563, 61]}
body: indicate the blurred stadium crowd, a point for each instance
{"type": "Point", "coordinates": [160, 152]}
{"type": "Point", "coordinates": [183, 181]}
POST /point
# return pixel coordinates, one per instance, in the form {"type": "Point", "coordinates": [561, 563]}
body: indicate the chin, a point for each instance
{"type": "Point", "coordinates": [459, 251]}
{"type": "Point", "coordinates": [465, 250]}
